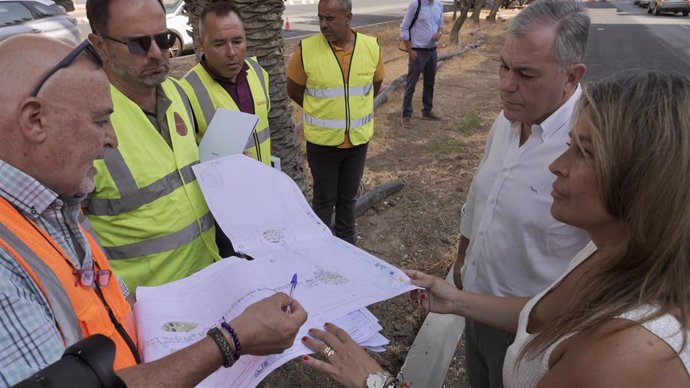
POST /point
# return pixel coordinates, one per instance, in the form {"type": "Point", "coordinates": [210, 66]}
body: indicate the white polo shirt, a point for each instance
{"type": "Point", "coordinates": [516, 247]}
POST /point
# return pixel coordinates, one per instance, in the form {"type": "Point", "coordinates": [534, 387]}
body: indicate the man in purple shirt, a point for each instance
{"type": "Point", "coordinates": [226, 78]}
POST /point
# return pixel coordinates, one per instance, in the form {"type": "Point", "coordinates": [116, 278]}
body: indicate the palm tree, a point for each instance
{"type": "Point", "coordinates": [263, 26]}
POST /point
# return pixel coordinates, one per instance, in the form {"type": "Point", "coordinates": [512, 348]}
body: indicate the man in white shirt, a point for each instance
{"type": "Point", "coordinates": [510, 245]}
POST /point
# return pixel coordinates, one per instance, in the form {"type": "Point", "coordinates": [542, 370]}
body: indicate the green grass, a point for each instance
{"type": "Point", "coordinates": [443, 146]}
{"type": "Point", "coordinates": [469, 124]}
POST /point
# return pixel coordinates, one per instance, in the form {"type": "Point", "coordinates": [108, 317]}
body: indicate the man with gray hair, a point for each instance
{"type": "Point", "coordinates": [510, 245]}
{"type": "Point", "coordinates": [56, 285]}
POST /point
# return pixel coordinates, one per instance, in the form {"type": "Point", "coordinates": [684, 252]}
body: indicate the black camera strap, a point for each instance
{"type": "Point", "coordinates": [118, 326]}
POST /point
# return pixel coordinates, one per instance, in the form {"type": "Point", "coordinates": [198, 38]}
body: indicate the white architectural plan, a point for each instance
{"type": "Point", "coordinates": [266, 216]}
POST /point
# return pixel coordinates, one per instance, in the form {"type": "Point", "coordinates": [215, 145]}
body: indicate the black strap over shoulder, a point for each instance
{"type": "Point", "coordinates": [414, 18]}
{"type": "Point", "coordinates": [409, 29]}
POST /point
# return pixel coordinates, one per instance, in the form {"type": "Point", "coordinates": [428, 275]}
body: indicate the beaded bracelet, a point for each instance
{"type": "Point", "coordinates": [225, 349]}
{"type": "Point", "coordinates": [235, 339]}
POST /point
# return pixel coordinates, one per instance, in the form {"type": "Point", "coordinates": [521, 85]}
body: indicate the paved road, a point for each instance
{"type": "Point", "coordinates": [302, 14]}
{"type": "Point", "coordinates": [625, 37]}
{"type": "Point", "coordinates": [303, 19]}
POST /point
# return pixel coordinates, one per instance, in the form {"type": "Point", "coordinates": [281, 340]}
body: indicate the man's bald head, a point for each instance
{"type": "Point", "coordinates": [52, 136]}
{"type": "Point", "coordinates": [26, 58]}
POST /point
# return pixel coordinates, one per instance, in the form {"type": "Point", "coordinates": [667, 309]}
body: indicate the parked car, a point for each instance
{"type": "Point", "coordinates": [65, 5]}
{"type": "Point", "coordinates": [675, 6]}
{"type": "Point", "coordinates": [33, 17]}
{"type": "Point", "coordinates": [178, 23]}
{"type": "Point", "coordinates": [643, 3]}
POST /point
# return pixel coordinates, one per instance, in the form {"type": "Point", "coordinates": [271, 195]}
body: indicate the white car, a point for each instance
{"type": "Point", "coordinates": [178, 23]}
{"type": "Point", "coordinates": [33, 17]}
{"type": "Point", "coordinates": [674, 6]}
{"type": "Point", "coordinates": [64, 5]}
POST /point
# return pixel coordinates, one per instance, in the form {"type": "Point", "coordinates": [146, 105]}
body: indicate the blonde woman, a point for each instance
{"type": "Point", "coordinates": [619, 316]}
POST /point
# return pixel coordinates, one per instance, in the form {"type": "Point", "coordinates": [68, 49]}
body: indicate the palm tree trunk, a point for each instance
{"type": "Point", "coordinates": [263, 26]}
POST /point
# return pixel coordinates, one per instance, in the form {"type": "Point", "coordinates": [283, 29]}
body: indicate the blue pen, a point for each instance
{"type": "Point", "coordinates": [293, 284]}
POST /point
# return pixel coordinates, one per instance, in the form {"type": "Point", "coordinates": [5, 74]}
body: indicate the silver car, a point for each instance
{"type": "Point", "coordinates": [178, 22]}
{"type": "Point", "coordinates": [675, 6]}
{"type": "Point", "coordinates": [32, 17]}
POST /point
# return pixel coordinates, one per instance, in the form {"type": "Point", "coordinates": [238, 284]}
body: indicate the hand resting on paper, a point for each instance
{"type": "Point", "coordinates": [348, 363]}
{"type": "Point", "coordinates": [341, 358]}
{"type": "Point", "coordinates": [266, 328]}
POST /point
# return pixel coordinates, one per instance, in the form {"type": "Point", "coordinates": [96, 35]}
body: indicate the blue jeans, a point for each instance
{"type": "Point", "coordinates": [425, 65]}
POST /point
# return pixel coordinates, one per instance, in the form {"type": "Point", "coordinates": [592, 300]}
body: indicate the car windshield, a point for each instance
{"type": "Point", "coordinates": [13, 13]}
{"type": "Point", "coordinates": [170, 5]}
{"type": "Point", "coordinates": [45, 11]}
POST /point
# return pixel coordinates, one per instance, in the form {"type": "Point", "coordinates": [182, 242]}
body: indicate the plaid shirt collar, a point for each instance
{"type": "Point", "coordinates": [25, 193]}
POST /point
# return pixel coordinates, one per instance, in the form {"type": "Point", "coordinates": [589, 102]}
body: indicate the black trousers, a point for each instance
{"type": "Point", "coordinates": [336, 173]}
{"type": "Point", "coordinates": [485, 350]}
{"type": "Point", "coordinates": [424, 65]}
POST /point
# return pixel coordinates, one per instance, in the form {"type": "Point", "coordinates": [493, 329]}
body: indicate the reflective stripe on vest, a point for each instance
{"type": "Point", "coordinates": [208, 109]}
{"type": "Point", "coordinates": [339, 92]}
{"type": "Point", "coordinates": [207, 96]}
{"type": "Point", "coordinates": [135, 197]}
{"type": "Point", "coordinates": [263, 135]}
{"type": "Point", "coordinates": [124, 181]}
{"type": "Point", "coordinates": [260, 74]}
{"type": "Point", "coordinates": [147, 206]}
{"type": "Point", "coordinates": [161, 244]}
{"type": "Point", "coordinates": [202, 95]}
{"type": "Point", "coordinates": [336, 107]}
{"type": "Point", "coordinates": [78, 311]}
{"type": "Point", "coordinates": [51, 288]}
{"type": "Point", "coordinates": [338, 124]}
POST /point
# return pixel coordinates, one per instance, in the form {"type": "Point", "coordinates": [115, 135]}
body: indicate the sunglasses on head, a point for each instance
{"type": "Point", "coordinates": [84, 47]}
{"type": "Point", "coordinates": [139, 45]}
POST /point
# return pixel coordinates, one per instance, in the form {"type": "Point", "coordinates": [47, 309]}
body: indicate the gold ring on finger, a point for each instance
{"type": "Point", "coordinates": [328, 351]}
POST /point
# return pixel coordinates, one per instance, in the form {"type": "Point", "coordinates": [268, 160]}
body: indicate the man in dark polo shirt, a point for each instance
{"type": "Point", "coordinates": [226, 78]}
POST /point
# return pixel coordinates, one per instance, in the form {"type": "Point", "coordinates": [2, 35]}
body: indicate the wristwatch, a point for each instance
{"type": "Point", "coordinates": [379, 379]}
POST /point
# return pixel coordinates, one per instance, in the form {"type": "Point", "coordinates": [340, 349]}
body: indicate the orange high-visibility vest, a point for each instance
{"type": "Point", "coordinates": [79, 312]}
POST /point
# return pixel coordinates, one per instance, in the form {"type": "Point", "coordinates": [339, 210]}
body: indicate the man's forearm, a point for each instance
{"type": "Point", "coordinates": [184, 368]}
{"type": "Point", "coordinates": [295, 91]}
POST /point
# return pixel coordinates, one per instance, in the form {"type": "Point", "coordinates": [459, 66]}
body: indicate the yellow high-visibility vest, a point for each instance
{"type": "Point", "coordinates": [148, 209]}
{"type": "Point", "coordinates": [335, 106]}
{"type": "Point", "coordinates": [207, 95]}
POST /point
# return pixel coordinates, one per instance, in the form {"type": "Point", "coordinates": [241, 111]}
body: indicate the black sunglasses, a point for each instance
{"type": "Point", "coordinates": [84, 47]}
{"type": "Point", "coordinates": [138, 45]}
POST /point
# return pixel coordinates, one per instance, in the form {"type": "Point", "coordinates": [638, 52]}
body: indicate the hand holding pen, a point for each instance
{"type": "Point", "coordinates": [293, 284]}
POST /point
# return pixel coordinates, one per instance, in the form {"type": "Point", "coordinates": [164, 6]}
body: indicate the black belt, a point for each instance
{"type": "Point", "coordinates": [423, 49]}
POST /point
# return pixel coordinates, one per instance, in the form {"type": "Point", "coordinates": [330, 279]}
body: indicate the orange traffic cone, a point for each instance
{"type": "Point", "coordinates": [287, 24]}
